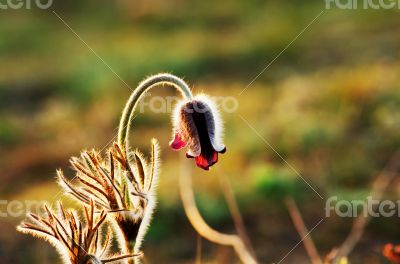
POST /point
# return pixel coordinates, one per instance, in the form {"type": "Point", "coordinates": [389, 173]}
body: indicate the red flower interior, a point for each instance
{"type": "Point", "coordinates": [392, 253]}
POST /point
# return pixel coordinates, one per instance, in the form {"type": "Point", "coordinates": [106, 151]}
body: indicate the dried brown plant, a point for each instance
{"type": "Point", "coordinates": [123, 186]}
{"type": "Point", "coordinates": [339, 255]}
{"type": "Point", "coordinates": [78, 242]}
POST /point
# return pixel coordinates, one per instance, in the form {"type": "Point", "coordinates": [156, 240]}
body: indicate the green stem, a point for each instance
{"type": "Point", "coordinates": [143, 87]}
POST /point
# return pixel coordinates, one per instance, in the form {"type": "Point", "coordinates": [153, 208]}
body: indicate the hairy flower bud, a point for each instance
{"type": "Point", "coordinates": [198, 126]}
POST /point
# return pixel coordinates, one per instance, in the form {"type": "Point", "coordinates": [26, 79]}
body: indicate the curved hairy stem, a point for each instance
{"type": "Point", "coordinates": [143, 87]}
{"type": "Point", "coordinates": [197, 221]}
{"type": "Point", "coordinates": [125, 124]}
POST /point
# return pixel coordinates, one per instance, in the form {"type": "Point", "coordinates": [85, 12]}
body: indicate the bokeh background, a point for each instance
{"type": "Point", "coordinates": [329, 105]}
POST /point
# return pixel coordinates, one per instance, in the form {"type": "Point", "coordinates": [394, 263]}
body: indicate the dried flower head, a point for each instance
{"type": "Point", "coordinates": [198, 126]}
{"type": "Point", "coordinates": [78, 242]}
{"type": "Point", "coordinates": [122, 186]}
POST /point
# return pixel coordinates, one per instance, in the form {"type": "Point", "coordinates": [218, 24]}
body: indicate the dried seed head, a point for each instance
{"type": "Point", "coordinates": [123, 186]}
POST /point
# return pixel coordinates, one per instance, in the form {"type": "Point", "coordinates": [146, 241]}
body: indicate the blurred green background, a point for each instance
{"type": "Point", "coordinates": [329, 105]}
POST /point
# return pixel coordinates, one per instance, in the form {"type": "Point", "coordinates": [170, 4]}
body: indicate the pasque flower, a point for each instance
{"type": "Point", "coordinates": [198, 126]}
{"type": "Point", "coordinates": [121, 187]}
{"type": "Point", "coordinates": [196, 120]}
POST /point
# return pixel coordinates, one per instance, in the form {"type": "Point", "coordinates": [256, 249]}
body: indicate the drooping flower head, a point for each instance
{"type": "Point", "coordinates": [198, 126]}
